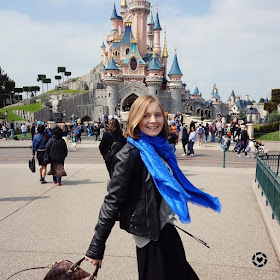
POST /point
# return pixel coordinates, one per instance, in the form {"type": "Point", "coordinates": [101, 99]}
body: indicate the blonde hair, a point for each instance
{"type": "Point", "coordinates": [136, 114]}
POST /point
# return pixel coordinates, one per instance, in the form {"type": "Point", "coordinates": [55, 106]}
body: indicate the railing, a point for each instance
{"type": "Point", "coordinates": [267, 175]}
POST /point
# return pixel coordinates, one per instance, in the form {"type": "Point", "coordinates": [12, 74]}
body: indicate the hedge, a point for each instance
{"type": "Point", "coordinates": [266, 128]}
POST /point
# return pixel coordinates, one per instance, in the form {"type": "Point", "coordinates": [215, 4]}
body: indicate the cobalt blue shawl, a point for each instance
{"type": "Point", "coordinates": [176, 190]}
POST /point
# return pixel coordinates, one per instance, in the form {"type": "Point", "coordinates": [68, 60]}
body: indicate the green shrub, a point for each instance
{"type": "Point", "coordinates": [267, 128]}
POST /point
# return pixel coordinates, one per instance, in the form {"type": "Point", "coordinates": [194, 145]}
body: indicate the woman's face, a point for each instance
{"type": "Point", "coordinates": [153, 120]}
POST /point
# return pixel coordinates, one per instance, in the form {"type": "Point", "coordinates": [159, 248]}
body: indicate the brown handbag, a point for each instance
{"type": "Point", "coordinates": [66, 270]}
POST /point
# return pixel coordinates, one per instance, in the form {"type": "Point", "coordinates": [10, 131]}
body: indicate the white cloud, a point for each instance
{"type": "Point", "coordinates": [236, 46]}
{"type": "Point", "coordinates": [29, 48]}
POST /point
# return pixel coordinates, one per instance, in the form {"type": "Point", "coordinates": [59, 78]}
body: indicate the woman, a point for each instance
{"type": "Point", "coordinates": [142, 192]}
{"type": "Point", "coordinates": [185, 140]}
{"type": "Point", "coordinates": [57, 151]}
{"type": "Point", "coordinates": [206, 132]}
{"type": "Point", "coordinates": [172, 139]}
{"type": "Point", "coordinates": [39, 146]}
{"type": "Point", "coordinates": [114, 133]}
{"type": "Point", "coordinates": [192, 139]}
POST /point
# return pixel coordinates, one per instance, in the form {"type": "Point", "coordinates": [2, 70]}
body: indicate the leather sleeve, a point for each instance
{"type": "Point", "coordinates": [122, 178]}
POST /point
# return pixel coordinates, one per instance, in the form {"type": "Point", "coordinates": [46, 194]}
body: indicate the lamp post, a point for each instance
{"type": "Point", "coordinates": [187, 107]}
{"type": "Point", "coordinates": [251, 112]}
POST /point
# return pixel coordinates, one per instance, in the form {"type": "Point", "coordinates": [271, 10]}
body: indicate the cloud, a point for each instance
{"type": "Point", "coordinates": [235, 45]}
{"type": "Point", "coordinates": [29, 48]}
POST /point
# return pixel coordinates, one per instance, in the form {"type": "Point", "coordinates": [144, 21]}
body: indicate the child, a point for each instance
{"type": "Point", "coordinates": [74, 141]}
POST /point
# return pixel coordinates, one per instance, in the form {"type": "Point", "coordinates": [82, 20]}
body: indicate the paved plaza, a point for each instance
{"type": "Point", "coordinates": [41, 224]}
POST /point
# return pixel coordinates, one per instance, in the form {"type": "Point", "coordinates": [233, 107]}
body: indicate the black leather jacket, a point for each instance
{"type": "Point", "coordinates": [132, 198]}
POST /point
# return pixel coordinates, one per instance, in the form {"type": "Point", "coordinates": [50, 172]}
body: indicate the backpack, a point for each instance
{"type": "Point", "coordinates": [115, 147]}
{"type": "Point", "coordinates": [200, 131]}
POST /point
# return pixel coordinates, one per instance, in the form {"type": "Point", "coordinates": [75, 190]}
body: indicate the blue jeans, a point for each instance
{"type": "Point", "coordinates": [24, 137]}
{"type": "Point", "coordinates": [12, 133]}
{"type": "Point", "coordinates": [191, 147]}
{"type": "Point", "coordinates": [212, 137]}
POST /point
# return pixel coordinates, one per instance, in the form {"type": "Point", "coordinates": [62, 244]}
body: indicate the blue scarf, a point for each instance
{"type": "Point", "coordinates": [176, 190]}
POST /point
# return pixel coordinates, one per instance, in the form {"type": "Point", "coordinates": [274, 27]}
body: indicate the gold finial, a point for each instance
{"type": "Point", "coordinates": [165, 53]}
{"type": "Point", "coordinates": [123, 3]}
{"type": "Point", "coordinates": [157, 7]}
{"type": "Point", "coordinates": [154, 54]}
{"type": "Point", "coordinates": [175, 49]}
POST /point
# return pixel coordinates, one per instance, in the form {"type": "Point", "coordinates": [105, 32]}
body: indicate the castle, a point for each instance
{"type": "Point", "coordinates": [133, 63]}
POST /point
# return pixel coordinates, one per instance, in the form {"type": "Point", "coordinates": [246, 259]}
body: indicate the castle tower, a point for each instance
{"type": "Point", "coordinates": [151, 29]}
{"type": "Point", "coordinates": [123, 8]}
{"type": "Point", "coordinates": [157, 30]}
{"type": "Point", "coordinates": [112, 81]}
{"type": "Point", "coordinates": [116, 21]}
{"type": "Point", "coordinates": [154, 79]}
{"type": "Point", "coordinates": [103, 52]}
{"type": "Point", "coordinates": [175, 85]}
{"type": "Point", "coordinates": [165, 56]}
{"type": "Point", "coordinates": [139, 11]}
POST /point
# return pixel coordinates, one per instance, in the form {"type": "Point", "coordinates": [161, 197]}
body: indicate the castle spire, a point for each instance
{"type": "Point", "coordinates": [175, 69]}
{"type": "Point", "coordinates": [165, 53]}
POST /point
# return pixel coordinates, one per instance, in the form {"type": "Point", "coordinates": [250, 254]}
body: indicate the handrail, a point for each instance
{"type": "Point", "coordinates": [267, 171]}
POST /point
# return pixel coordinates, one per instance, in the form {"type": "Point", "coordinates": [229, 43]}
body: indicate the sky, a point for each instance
{"type": "Point", "coordinates": [233, 43]}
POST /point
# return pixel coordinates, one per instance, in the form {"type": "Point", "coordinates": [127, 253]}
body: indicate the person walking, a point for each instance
{"type": "Point", "coordinates": [244, 141]}
{"type": "Point", "coordinates": [57, 151]}
{"type": "Point", "coordinates": [172, 139]}
{"type": "Point", "coordinates": [206, 132]}
{"type": "Point", "coordinates": [146, 190]}
{"type": "Point", "coordinates": [39, 146]}
{"type": "Point", "coordinates": [200, 132]}
{"type": "Point", "coordinates": [213, 130]}
{"type": "Point", "coordinates": [12, 129]}
{"type": "Point", "coordinates": [185, 140]}
{"type": "Point", "coordinates": [4, 130]}
{"type": "Point", "coordinates": [114, 133]}
{"type": "Point", "coordinates": [192, 139]}
{"type": "Point", "coordinates": [24, 131]}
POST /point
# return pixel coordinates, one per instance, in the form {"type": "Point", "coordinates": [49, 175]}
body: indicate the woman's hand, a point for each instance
{"type": "Point", "coordinates": [94, 262]}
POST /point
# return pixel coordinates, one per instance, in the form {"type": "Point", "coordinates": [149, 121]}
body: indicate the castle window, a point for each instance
{"type": "Point", "coordinates": [109, 94]}
{"type": "Point", "coordinates": [127, 51]}
{"type": "Point", "coordinates": [133, 64]}
{"type": "Point", "coordinates": [116, 53]}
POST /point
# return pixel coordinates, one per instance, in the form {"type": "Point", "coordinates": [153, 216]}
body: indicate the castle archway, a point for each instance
{"type": "Point", "coordinates": [128, 101]}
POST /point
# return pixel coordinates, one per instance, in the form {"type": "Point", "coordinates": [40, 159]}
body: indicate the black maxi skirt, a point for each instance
{"type": "Point", "coordinates": [164, 259]}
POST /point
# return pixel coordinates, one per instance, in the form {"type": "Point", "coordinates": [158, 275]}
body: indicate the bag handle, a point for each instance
{"type": "Point", "coordinates": [78, 263]}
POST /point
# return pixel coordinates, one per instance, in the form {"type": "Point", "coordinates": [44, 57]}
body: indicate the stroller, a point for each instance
{"type": "Point", "coordinates": [259, 149]}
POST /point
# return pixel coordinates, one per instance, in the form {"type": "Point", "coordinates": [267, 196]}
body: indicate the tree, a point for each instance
{"type": "Point", "coordinates": [61, 70]}
{"type": "Point", "coordinates": [67, 74]}
{"type": "Point", "coordinates": [3, 95]}
{"type": "Point", "coordinates": [274, 117]}
{"type": "Point", "coordinates": [262, 100]}
{"type": "Point", "coordinates": [40, 78]}
{"type": "Point", "coordinates": [58, 78]}
{"type": "Point", "coordinates": [47, 81]}
{"type": "Point", "coordinates": [242, 115]}
{"type": "Point", "coordinates": [34, 90]}
{"type": "Point", "coordinates": [26, 90]}
{"type": "Point", "coordinates": [18, 91]}
{"type": "Point", "coordinates": [9, 88]}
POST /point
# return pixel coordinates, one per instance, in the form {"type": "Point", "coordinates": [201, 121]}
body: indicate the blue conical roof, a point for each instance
{"type": "Point", "coordinates": [126, 36]}
{"type": "Point", "coordinates": [154, 66]}
{"type": "Point", "coordinates": [112, 65]}
{"type": "Point", "coordinates": [114, 13]}
{"type": "Point", "coordinates": [175, 69]}
{"type": "Point", "coordinates": [196, 91]}
{"type": "Point", "coordinates": [232, 93]}
{"type": "Point", "coordinates": [216, 95]}
{"type": "Point", "coordinates": [157, 24]}
{"type": "Point", "coordinates": [151, 18]}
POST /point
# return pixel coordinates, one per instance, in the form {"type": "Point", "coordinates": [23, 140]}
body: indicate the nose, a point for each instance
{"type": "Point", "coordinates": [153, 118]}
